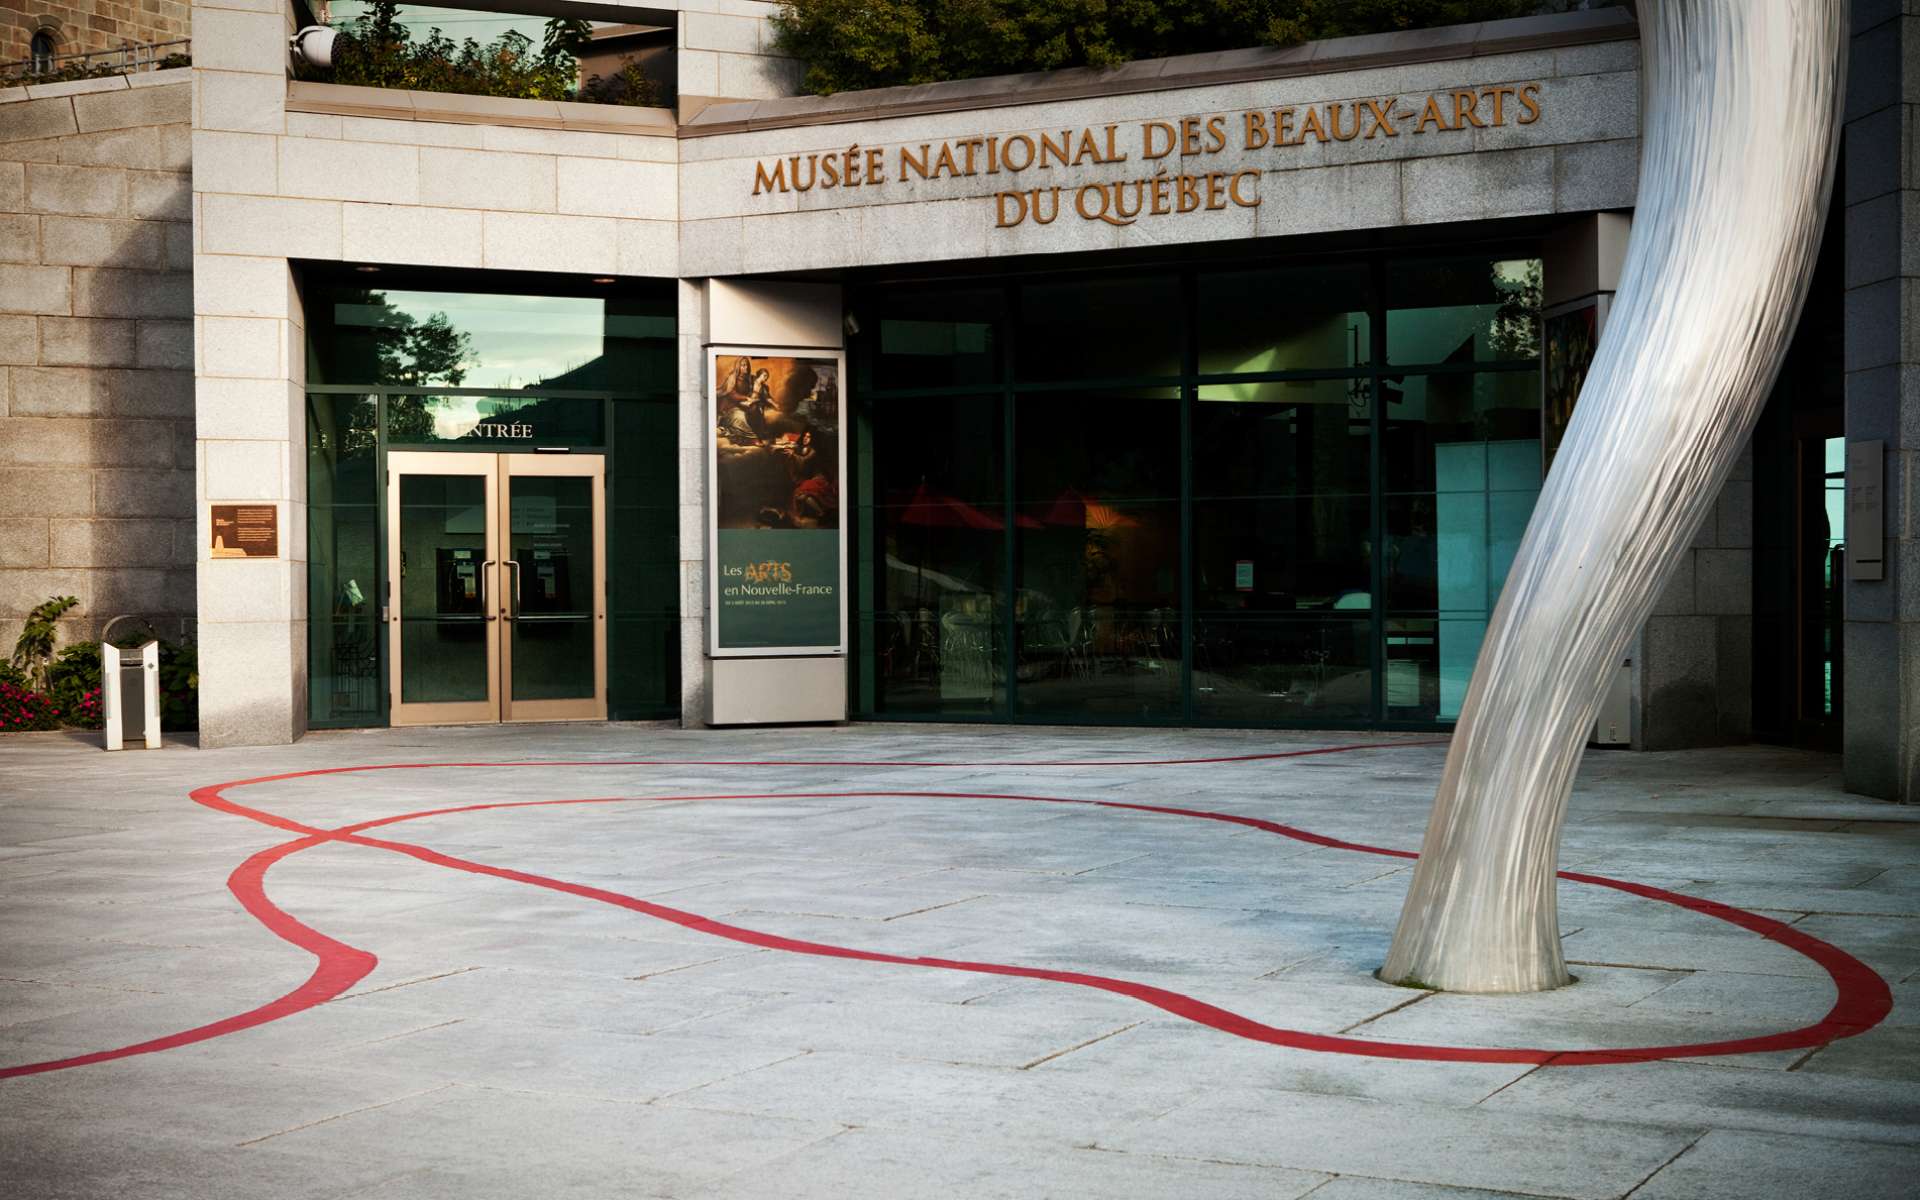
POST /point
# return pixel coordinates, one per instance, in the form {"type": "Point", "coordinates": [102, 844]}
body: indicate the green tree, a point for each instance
{"type": "Point", "coordinates": [377, 49]}
{"type": "Point", "coordinates": [848, 45]}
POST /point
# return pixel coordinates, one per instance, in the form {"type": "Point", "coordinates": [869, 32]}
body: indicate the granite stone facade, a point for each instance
{"type": "Point", "coordinates": [96, 353]}
{"type": "Point", "coordinates": [1693, 669]}
{"type": "Point", "coordinates": [1881, 191]}
{"type": "Point", "coordinates": [153, 234]}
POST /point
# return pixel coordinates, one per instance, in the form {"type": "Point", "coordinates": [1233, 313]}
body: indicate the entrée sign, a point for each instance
{"type": "Point", "coordinates": [1161, 193]}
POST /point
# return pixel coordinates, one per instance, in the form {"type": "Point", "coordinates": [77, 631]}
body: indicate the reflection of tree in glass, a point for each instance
{"type": "Point", "coordinates": [1515, 329]}
{"type": "Point", "coordinates": [411, 352]}
{"type": "Point", "coordinates": [410, 418]}
{"type": "Point", "coordinates": [359, 432]}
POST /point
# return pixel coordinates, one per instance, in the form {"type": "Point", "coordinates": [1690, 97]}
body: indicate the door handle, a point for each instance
{"type": "Point", "coordinates": [513, 612]}
{"type": "Point", "coordinates": [486, 609]}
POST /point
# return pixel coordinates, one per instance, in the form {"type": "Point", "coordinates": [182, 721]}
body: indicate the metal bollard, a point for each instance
{"type": "Point", "coordinates": [129, 692]}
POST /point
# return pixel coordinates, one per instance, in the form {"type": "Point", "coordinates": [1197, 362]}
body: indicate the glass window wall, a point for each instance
{"type": "Point", "coordinates": [1283, 494]}
{"type": "Point", "coordinates": [426, 367]}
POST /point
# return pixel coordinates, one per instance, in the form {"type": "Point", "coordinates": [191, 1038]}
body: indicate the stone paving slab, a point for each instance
{"type": "Point", "coordinates": [517, 1040]}
{"type": "Point", "coordinates": [1736, 1165]}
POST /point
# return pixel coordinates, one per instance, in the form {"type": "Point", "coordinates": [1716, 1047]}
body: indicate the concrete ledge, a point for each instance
{"type": "Point", "coordinates": [106, 83]}
{"type": "Point", "coordinates": [1164, 74]}
{"type": "Point", "coordinates": [450, 108]}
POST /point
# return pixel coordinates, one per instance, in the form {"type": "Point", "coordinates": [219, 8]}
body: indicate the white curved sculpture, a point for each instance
{"type": "Point", "coordinates": [1741, 102]}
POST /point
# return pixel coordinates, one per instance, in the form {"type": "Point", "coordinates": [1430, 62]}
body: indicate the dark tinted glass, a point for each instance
{"type": "Point", "coordinates": [1098, 627]}
{"type": "Point", "coordinates": [1425, 412]}
{"type": "Point", "coordinates": [343, 555]}
{"type": "Point", "coordinates": [1343, 539]}
{"type": "Point", "coordinates": [1259, 669]}
{"type": "Point", "coordinates": [935, 524]}
{"type": "Point", "coordinates": [926, 339]}
{"type": "Point", "coordinates": [1102, 328]}
{"type": "Point", "coordinates": [1463, 310]}
{"type": "Point", "coordinates": [643, 562]}
{"type": "Point", "coordinates": [1282, 439]}
{"type": "Point", "coordinates": [444, 606]}
{"type": "Point", "coordinates": [1285, 319]}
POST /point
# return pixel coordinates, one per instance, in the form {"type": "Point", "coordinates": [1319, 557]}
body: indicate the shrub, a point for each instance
{"type": "Point", "coordinates": [73, 684]}
{"type": "Point", "coordinates": [22, 710]}
{"type": "Point", "coordinates": [854, 44]}
{"type": "Point", "coordinates": [34, 649]}
{"type": "Point", "coordinates": [179, 685]}
{"type": "Point", "coordinates": [376, 50]}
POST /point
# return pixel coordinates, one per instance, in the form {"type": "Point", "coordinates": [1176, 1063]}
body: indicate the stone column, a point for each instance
{"type": "Point", "coordinates": [1881, 189]}
{"type": "Point", "coordinates": [249, 366]}
{"type": "Point", "coordinates": [695, 428]}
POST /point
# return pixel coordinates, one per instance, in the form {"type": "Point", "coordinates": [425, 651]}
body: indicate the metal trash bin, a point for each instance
{"type": "Point", "coordinates": [129, 692]}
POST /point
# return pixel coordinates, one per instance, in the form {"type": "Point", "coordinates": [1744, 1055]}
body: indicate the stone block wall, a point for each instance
{"type": "Point", "coordinates": [729, 54]}
{"type": "Point", "coordinates": [96, 352]}
{"type": "Point", "coordinates": [1693, 670]}
{"type": "Point", "coordinates": [78, 26]}
{"type": "Point", "coordinates": [1880, 188]}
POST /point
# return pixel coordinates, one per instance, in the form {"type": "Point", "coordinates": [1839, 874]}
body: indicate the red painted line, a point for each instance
{"type": "Point", "coordinates": [338, 967]}
{"type": "Point", "coordinates": [1863, 998]}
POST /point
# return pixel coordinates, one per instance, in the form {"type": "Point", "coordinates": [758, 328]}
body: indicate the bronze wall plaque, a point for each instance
{"type": "Point", "coordinates": [246, 531]}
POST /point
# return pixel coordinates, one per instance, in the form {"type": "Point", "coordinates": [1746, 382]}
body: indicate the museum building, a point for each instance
{"type": "Point", "coordinates": [1203, 391]}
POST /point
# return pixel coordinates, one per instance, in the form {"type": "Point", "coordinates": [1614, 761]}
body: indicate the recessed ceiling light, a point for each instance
{"type": "Point", "coordinates": [603, 279]}
{"type": "Point", "coordinates": [368, 270]}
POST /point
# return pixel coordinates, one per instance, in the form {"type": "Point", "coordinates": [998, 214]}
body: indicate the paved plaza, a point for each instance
{"type": "Point", "coordinates": [804, 963]}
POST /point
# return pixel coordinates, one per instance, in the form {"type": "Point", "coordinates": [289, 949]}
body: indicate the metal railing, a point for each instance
{"type": "Point", "coordinates": [93, 64]}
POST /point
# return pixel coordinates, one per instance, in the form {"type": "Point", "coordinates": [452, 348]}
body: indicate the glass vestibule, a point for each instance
{"type": "Point", "coordinates": [433, 373]}
{"type": "Point", "coordinates": [1280, 495]}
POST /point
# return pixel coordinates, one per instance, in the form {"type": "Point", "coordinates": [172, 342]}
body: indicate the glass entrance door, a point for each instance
{"type": "Point", "coordinates": [497, 587]}
{"type": "Point", "coordinates": [554, 610]}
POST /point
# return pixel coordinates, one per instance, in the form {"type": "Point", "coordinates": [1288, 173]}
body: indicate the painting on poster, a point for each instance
{"type": "Point", "coordinates": [777, 548]}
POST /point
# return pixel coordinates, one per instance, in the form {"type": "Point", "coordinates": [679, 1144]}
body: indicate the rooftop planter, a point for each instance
{"type": "Point", "coordinates": [376, 50]}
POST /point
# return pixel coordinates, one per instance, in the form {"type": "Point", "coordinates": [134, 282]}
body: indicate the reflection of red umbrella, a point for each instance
{"type": "Point", "coordinates": [932, 509]}
{"type": "Point", "coordinates": [1073, 508]}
